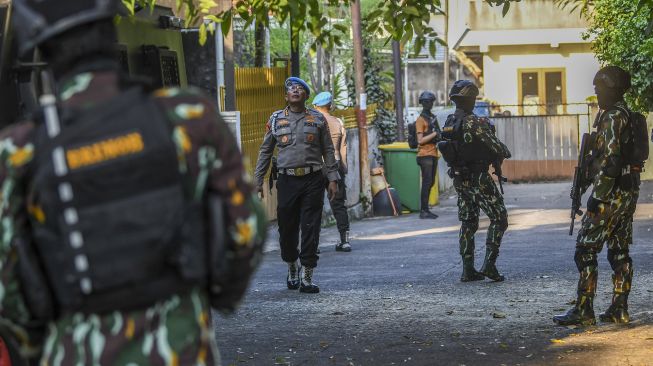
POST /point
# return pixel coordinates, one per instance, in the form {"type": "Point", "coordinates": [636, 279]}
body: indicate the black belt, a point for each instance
{"type": "Point", "coordinates": [301, 171]}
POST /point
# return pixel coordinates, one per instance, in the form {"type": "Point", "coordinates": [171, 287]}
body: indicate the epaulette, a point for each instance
{"type": "Point", "coordinates": [273, 118]}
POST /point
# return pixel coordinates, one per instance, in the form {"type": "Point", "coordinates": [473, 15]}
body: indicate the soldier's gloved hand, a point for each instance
{"type": "Point", "coordinates": [333, 190]}
{"type": "Point", "coordinates": [594, 205]}
{"type": "Point", "coordinates": [260, 191]}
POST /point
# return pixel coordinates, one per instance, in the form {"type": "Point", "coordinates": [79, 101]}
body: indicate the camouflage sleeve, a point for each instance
{"type": "Point", "coordinates": [328, 152]}
{"type": "Point", "coordinates": [610, 161]}
{"type": "Point", "coordinates": [474, 128]}
{"type": "Point", "coordinates": [265, 154]}
{"type": "Point", "coordinates": [212, 152]}
{"type": "Point", "coordinates": [16, 152]}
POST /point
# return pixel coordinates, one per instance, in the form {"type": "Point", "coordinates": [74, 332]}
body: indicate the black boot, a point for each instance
{"type": "Point", "coordinates": [344, 245]}
{"type": "Point", "coordinates": [618, 310]}
{"type": "Point", "coordinates": [581, 314]}
{"type": "Point", "coordinates": [306, 284]}
{"type": "Point", "coordinates": [292, 280]}
{"type": "Point", "coordinates": [489, 268]}
{"type": "Point", "coordinates": [426, 214]}
{"type": "Point", "coordinates": [469, 272]}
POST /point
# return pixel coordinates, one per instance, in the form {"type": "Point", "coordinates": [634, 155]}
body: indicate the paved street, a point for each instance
{"type": "Point", "coordinates": [396, 299]}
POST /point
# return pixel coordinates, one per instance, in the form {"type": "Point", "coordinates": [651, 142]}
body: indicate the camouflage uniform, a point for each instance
{"type": "Point", "coordinates": [174, 331]}
{"type": "Point", "coordinates": [476, 191]}
{"type": "Point", "coordinates": [613, 223]}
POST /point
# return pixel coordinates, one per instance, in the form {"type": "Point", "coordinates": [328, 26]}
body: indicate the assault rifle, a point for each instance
{"type": "Point", "coordinates": [497, 171]}
{"type": "Point", "coordinates": [580, 176]}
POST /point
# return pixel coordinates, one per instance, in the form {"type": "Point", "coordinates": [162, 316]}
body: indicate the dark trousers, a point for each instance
{"type": "Point", "coordinates": [300, 202]}
{"type": "Point", "coordinates": [428, 165]}
{"type": "Point", "coordinates": [338, 205]}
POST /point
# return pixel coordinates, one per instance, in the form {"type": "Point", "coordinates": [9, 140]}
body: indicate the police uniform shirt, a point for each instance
{"type": "Point", "coordinates": [303, 140]}
{"type": "Point", "coordinates": [339, 139]}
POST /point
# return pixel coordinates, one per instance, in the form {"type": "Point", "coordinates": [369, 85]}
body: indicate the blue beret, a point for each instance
{"type": "Point", "coordinates": [322, 99]}
{"type": "Point", "coordinates": [295, 80]}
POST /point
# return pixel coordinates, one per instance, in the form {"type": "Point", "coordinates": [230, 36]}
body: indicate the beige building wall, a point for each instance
{"type": "Point", "coordinates": [502, 64]}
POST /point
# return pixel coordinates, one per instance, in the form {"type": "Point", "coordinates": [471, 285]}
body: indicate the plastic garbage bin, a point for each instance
{"type": "Point", "coordinates": [402, 172]}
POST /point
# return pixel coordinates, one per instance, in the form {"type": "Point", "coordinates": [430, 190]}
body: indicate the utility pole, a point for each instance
{"type": "Point", "coordinates": [446, 51]}
{"type": "Point", "coordinates": [361, 101]}
{"type": "Point", "coordinates": [399, 108]}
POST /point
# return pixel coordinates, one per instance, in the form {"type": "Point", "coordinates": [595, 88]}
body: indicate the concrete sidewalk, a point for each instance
{"type": "Point", "coordinates": [397, 299]}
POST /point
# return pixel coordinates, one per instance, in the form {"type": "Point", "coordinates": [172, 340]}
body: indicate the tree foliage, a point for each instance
{"type": "Point", "coordinates": [403, 20]}
{"type": "Point", "coordinates": [621, 34]}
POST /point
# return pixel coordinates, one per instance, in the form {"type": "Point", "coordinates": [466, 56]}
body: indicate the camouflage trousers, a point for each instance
{"type": "Point", "coordinates": [173, 332]}
{"type": "Point", "coordinates": [613, 225]}
{"type": "Point", "coordinates": [478, 192]}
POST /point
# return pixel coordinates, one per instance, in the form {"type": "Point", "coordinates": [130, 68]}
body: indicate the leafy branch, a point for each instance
{"type": "Point", "coordinates": [402, 20]}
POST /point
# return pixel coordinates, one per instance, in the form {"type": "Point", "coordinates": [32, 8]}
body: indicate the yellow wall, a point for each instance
{"type": "Point", "coordinates": [501, 65]}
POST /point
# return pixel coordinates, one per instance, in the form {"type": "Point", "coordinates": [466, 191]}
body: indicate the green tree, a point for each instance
{"type": "Point", "coordinates": [621, 33]}
{"type": "Point", "coordinates": [393, 19]}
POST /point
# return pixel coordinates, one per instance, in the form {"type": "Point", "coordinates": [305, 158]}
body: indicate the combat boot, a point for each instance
{"type": "Point", "coordinates": [618, 310]}
{"type": "Point", "coordinates": [292, 280]}
{"type": "Point", "coordinates": [306, 285]}
{"type": "Point", "coordinates": [581, 314]}
{"type": "Point", "coordinates": [489, 268]}
{"type": "Point", "coordinates": [344, 245]}
{"type": "Point", "coordinates": [469, 272]}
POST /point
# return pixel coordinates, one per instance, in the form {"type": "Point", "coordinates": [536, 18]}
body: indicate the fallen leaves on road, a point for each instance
{"type": "Point", "coordinates": [498, 315]}
{"type": "Point", "coordinates": [557, 341]}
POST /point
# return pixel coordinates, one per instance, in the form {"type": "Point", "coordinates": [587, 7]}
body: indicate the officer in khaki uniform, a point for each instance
{"type": "Point", "coordinates": [322, 103]}
{"type": "Point", "coordinates": [304, 141]}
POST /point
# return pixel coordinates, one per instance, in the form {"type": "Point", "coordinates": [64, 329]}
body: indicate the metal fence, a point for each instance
{"type": "Point", "coordinates": [543, 147]}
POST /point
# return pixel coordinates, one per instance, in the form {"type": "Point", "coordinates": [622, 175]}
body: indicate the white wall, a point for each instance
{"type": "Point", "coordinates": [502, 62]}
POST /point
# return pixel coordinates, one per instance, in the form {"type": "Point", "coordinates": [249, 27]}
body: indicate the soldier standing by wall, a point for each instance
{"type": "Point", "coordinates": [106, 197]}
{"type": "Point", "coordinates": [428, 131]}
{"type": "Point", "coordinates": [322, 103]}
{"type": "Point", "coordinates": [615, 168]}
{"type": "Point", "coordinates": [304, 141]}
{"type": "Point", "coordinates": [469, 149]}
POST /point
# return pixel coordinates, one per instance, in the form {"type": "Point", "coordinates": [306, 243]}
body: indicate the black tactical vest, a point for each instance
{"type": "Point", "coordinates": [118, 230]}
{"type": "Point", "coordinates": [456, 151]}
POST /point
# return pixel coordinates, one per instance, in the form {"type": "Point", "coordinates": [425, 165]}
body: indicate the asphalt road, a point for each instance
{"type": "Point", "coordinates": [396, 299]}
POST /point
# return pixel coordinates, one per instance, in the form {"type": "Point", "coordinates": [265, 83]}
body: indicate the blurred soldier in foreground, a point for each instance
{"type": "Point", "coordinates": [427, 130]}
{"type": "Point", "coordinates": [126, 214]}
{"type": "Point", "coordinates": [469, 148]}
{"type": "Point", "coordinates": [322, 103]}
{"type": "Point", "coordinates": [619, 148]}
{"type": "Point", "coordinates": [304, 141]}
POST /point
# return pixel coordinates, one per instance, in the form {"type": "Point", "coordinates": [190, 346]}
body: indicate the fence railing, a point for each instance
{"type": "Point", "coordinates": [348, 115]}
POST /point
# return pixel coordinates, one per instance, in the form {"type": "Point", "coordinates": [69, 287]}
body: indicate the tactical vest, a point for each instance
{"type": "Point", "coordinates": [117, 229]}
{"type": "Point", "coordinates": [457, 152]}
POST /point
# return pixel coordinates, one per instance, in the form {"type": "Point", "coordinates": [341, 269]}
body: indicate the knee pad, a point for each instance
{"type": "Point", "coordinates": [619, 258]}
{"type": "Point", "coordinates": [585, 258]}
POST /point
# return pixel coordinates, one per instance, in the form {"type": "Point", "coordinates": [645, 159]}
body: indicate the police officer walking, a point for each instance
{"type": "Point", "coordinates": [304, 141]}
{"type": "Point", "coordinates": [469, 149]}
{"type": "Point", "coordinates": [322, 103]}
{"type": "Point", "coordinates": [427, 130]}
{"type": "Point", "coordinates": [104, 199]}
{"type": "Point", "coordinates": [618, 150]}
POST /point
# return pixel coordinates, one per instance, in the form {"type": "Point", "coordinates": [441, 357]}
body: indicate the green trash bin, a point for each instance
{"type": "Point", "coordinates": [403, 173]}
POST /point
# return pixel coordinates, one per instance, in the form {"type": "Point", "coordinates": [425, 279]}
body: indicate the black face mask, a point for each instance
{"type": "Point", "coordinates": [607, 98]}
{"type": "Point", "coordinates": [466, 104]}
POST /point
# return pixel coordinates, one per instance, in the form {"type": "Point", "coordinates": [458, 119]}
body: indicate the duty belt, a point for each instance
{"type": "Point", "coordinates": [301, 171]}
{"type": "Point", "coordinates": [628, 169]}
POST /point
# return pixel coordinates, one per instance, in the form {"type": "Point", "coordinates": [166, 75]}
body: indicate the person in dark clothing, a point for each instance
{"type": "Point", "coordinates": [428, 132]}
